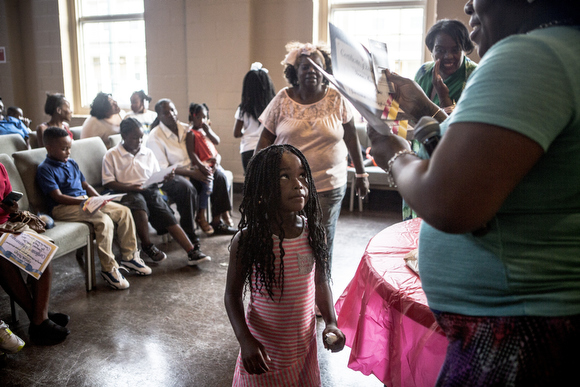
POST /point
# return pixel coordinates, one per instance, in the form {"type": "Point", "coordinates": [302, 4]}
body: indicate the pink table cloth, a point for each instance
{"type": "Point", "coordinates": [384, 314]}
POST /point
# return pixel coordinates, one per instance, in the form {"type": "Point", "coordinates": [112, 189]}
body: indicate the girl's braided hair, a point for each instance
{"type": "Point", "coordinates": [259, 208]}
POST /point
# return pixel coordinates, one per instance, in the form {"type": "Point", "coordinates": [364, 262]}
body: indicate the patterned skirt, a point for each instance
{"type": "Point", "coordinates": [510, 351]}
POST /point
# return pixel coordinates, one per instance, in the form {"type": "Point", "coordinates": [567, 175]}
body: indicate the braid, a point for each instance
{"type": "Point", "coordinates": [259, 207]}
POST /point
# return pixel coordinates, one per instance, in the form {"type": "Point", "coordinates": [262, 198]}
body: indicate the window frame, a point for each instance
{"type": "Point", "coordinates": [325, 9]}
{"type": "Point", "coordinates": [71, 26]}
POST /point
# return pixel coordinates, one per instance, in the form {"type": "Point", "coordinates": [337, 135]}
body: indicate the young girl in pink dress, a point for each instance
{"type": "Point", "coordinates": [279, 255]}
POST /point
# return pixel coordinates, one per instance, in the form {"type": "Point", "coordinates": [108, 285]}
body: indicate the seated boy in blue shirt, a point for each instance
{"type": "Point", "coordinates": [60, 178]}
{"type": "Point", "coordinates": [15, 123]}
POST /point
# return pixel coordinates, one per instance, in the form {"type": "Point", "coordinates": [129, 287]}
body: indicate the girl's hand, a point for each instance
{"type": "Point", "coordinates": [198, 174]}
{"type": "Point", "coordinates": [205, 169]}
{"type": "Point", "coordinates": [254, 357]}
{"type": "Point", "coordinates": [211, 163]}
{"type": "Point", "coordinates": [339, 338]}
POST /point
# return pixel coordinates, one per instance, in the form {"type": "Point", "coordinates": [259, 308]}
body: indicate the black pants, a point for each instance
{"type": "Point", "coordinates": [183, 193]}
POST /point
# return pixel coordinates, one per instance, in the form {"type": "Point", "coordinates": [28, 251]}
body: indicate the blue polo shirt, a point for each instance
{"type": "Point", "coordinates": [53, 174]}
{"type": "Point", "coordinates": [11, 125]}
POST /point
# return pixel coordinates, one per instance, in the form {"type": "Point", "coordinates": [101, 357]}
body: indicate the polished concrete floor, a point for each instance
{"type": "Point", "coordinates": [171, 328]}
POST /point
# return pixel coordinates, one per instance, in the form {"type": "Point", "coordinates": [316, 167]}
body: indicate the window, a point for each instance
{"type": "Point", "coordinates": [111, 49]}
{"type": "Point", "coordinates": [401, 24]}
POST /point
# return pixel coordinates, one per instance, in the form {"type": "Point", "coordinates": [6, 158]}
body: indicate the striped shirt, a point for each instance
{"type": "Point", "coordinates": [286, 326]}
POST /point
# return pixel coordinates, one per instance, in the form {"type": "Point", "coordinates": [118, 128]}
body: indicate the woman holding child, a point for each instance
{"type": "Point", "coordinates": [201, 143]}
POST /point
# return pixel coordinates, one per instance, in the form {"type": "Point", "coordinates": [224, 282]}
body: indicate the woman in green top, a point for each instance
{"type": "Point", "coordinates": [443, 79]}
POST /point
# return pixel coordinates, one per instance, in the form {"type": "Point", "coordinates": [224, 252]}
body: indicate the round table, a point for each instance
{"type": "Point", "coordinates": [384, 315]}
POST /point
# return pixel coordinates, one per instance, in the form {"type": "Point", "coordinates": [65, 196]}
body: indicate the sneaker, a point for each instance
{"type": "Point", "coordinates": [115, 279]}
{"type": "Point", "coordinates": [223, 229]}
{"type": "Point", "coordinates": [9, 342]}
{"type": "Point", "coordinates": [195, 256]}
{"type": "Point", "coordinates": [47, 333]}
{"type": "Point", "coordinates": [154, 253]}
{"type": "Point", "coordinates": [137, 265]}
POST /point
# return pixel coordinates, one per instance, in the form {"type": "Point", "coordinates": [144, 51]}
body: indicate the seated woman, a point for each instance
{"type": "Point", "coordinates": [45, 328]}
{"type": "Point", "coordinates": [58, 108]}
{"type": "Point", "coordinates": [200, 142]}
{"type": "Point", "coordinates": [125, 168]}
{"type": "Point", "coordinates": [104, 120]}
{"type": "Point", "coordinates": [139, 104]}
{"type": "Point", "coordinates": [444, 78]}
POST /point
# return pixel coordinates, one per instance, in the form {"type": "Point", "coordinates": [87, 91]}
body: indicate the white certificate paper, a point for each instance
{"type": "Point", "coordinates": [92, 204]}
{"type": "Point", "coordinates": [158, 176]}
{"type": "Point", "coordinates": [28, 250]}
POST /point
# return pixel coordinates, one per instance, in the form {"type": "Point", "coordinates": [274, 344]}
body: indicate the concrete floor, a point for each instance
{"type": "Point", "coordinates": [171, 328]}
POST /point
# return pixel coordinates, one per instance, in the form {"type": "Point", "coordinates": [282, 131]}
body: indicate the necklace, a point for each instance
{"type": "Point", "coordinates": [554, 23]}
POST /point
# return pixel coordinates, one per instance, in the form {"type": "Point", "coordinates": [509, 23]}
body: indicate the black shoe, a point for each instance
{"type": "Point", "coordinates": [59, 318]}
{"type": "Point", "coordinates": [47, 333]}
{"type": "Point", "coordinates": [195, 256]}
{"type": "Point", "coordinates": [223, 229]}
{"type": "Point", "coordinates": [153, 252]}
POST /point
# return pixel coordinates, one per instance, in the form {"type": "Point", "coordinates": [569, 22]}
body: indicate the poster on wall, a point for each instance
{"type": "Point", "coordinates": [2, 55]}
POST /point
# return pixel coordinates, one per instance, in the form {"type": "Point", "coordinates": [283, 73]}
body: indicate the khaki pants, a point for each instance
{"type": "Point", "coordinates": [104, 221]}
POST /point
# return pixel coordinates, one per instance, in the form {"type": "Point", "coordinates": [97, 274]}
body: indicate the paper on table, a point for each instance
{"type": "Point", "coordinates": [412, 261]}
{"type": "Point", "coordinates": [27, 250]}
{"type": "Point", "coordinates": [93, 203]}
{"type": "Point", "coordinates": [158, 176]}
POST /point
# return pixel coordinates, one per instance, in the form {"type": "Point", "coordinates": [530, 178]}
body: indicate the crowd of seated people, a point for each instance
{"type": "Point", "coordinates": [126, 168]}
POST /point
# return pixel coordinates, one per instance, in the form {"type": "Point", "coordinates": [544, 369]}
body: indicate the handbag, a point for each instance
{"type": "Point", "coordinates": [18, 221]}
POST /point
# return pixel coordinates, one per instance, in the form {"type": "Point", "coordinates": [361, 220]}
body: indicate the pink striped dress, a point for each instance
{"type": "Point", "coordinates": [286, 327]}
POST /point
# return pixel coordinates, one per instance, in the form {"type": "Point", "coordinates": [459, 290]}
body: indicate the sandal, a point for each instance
{"type": "Point", "coordinates": [205, 226]}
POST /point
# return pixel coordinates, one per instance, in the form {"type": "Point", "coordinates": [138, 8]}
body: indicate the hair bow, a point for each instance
{"type": "Point", "coordinates": [257, 66]}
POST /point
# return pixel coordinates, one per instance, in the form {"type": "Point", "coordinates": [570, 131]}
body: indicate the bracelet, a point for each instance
{"type": "Point", "coordinates": [361, 175]}
{"type": "Point", "coordinates": [437, 112]}
{"type": "Point", "coordinates": [390, 163]}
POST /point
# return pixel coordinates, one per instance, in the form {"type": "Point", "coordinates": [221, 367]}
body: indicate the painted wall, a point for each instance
{"type": "Point", "coordinates": [197, 51]}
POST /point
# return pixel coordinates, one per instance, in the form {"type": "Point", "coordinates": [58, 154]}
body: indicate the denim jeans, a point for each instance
{"type": "Point", "coordinates": [331, 202]}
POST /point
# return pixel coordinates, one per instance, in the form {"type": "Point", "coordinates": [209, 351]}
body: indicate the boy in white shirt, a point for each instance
{"type": "Point", "coordinates": [126, 168]}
